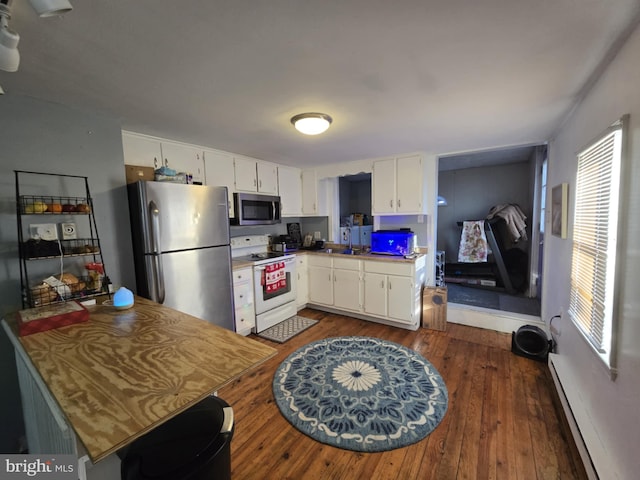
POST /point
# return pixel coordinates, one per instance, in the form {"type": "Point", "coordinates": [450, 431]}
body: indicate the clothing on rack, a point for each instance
{"type": "Point", "coordinates": [473, 242]}
{"type": "Point", "coordinates": [514, 218]}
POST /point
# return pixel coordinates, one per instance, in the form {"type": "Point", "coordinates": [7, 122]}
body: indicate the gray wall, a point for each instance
{"type": "Point", "coordinates": [45, 137]}
{"type": "Point", "coordinates": [470, 194]}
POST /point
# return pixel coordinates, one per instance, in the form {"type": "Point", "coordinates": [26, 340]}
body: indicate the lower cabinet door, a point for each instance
{"type": "Point", "coordinates": [375, 294]}
{"type": "Point", "coordinates": [400, 295]}
{"type": "Point", "coordinates": [320, 285]}
{"type": "Point", "coordinates": [346, 289]}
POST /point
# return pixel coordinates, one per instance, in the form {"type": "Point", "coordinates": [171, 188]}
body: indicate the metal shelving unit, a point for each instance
{"type": "Point", "coordinates": [57, 234]}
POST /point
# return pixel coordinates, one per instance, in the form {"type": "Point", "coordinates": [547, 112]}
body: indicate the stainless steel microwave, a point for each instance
{"type": "Point", "coordinates": [254, 209]}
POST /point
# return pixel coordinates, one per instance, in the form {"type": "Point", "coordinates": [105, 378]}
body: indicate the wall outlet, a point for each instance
{"type": "Point", "coordinates": [43, 231]}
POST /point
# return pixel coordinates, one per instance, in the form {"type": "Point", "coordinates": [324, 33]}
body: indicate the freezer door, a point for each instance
{"type": "Point", "coordinates": [197, 282]}
{"type": "Point", "coordinates": [182, 217]}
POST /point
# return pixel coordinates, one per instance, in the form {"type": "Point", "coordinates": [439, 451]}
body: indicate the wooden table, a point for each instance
{"type": "Point", "coordinates": [124, 372]}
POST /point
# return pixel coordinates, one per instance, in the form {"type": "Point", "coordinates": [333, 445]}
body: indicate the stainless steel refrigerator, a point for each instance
{"type": "Point", "coordinates": [181, 248]}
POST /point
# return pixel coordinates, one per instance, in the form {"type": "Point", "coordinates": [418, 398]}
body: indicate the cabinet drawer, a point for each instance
{"type": "Point", "coordinates": [346, 263]}
{"type": "Point", "coordinates": [320, 261]}
{"type": "Point", "coordinates": [389, 268]}
{"type": "Point", "coordinates": [243, 275]}
{"type": "Point", "coordinates": [242, 296]}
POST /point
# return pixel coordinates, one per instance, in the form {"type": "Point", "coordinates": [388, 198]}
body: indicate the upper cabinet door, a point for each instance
{"type": "Point", "coordinates": [246, 174]}
{"type": "Point", "coordinates": [383, 188]}
{"type": "Point", "coordinates": [409, 184]}
{"type": "Point", "coordinates": [184, 158]}
{"type": "Point", "coordinates": [140, 150]}
{"type": "Point", "coordinates": [219, 172]}
{"type": "Point", "coordinates": [309, 192]}
{"type": "Point", "coordinates": [267, 178]}
{"type": "Point", "coordinates": [290, 190]}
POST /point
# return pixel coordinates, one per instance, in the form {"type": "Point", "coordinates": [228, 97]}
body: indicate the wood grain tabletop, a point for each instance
{"type": "Point", "coordinates": [124, 372]}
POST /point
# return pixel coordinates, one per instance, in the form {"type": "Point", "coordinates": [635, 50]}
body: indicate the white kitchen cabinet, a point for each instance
{"type": "Point", "coordinates": [184, 158]}
{"type": "Point", "coordinates": [302, 270]}
{"type": "Point", "coordinates": [153, 152]}
{"type": "Point", "coordinates": [388, 291]}
{"type": "Point", "coordinates": [252, 175]}
{"type": "Point", "coordinates": [398, 186]}
{"type": "Point", "coordinates": [141, 150]}
{"type": "Point", "coordinates": [400, 293]}
{"type": "Point", "coordinates": [320, 280]}
{"type": "Point", "coordinates": [246, 174]}
{"type": "Point", "coordinates": [219, 171]}
{"type": "Point", "coordinates": [375, 294]}
{"type": "Point", "coordinates": [245, 316]}
{"type": "Point", "coordinates": [309, 192]}
{"type": "Point", "coordinates": [347, 285]}
{"type": "Point", "coordinates": [290, 191]}
{"type": "Point", "coordinates": [267, 178]}
{"type": "Point", "coordinates": [392, 290]}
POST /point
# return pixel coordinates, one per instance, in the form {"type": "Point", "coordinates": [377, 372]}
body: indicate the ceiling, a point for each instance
{"type": "Point", "coordinates": [397, 77]}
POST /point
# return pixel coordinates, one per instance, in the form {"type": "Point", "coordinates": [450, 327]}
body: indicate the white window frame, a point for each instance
{"type": "Point", "coordinates": [595, 262]}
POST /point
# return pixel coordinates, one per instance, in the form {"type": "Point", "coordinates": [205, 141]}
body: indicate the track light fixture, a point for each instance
{"type": "Point", "coordinates": [9, 54]}
{"type": "Point", "coordinates": [51, 8]}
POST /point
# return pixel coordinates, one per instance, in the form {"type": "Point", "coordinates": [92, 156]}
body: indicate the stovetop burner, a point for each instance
{"type": "Point", "coordinates": [263, 255]}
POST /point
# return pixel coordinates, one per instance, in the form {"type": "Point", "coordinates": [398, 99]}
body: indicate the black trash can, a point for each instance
{"type": "Point", "coordinates": [195, 445]}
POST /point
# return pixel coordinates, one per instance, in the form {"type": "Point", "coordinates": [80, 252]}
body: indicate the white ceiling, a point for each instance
{"type": "Point", "coordinates": [397, 76]}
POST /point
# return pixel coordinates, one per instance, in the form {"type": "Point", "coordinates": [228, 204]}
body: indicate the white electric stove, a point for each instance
{"type": "Point", "coordinates": [274, 279]}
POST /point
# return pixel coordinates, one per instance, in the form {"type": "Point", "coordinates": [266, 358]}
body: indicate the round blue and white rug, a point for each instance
{"type": "Point", "coordinates": [360, 393]}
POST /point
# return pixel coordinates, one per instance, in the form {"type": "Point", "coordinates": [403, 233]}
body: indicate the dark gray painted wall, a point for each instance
{"type": "Point", "coordinates": [470, 194]}
{"type": "Point", "coordinates": [46, 137]}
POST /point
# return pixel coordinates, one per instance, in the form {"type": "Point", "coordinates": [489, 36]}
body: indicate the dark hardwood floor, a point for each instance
{"type": "Point", "coordinates": [504, 419]}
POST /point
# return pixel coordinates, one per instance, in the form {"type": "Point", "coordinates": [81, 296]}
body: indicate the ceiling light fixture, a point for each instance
{"type": "Point", "coordinates": [9, 55]}
{"type": "Point", "coordinates": [51, 8]}
{"type": "Point", "coordinates": [311, 123]}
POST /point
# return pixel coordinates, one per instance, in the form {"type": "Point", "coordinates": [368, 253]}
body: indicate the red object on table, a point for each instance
{"type": "Point", "coordinates": [41, 319]}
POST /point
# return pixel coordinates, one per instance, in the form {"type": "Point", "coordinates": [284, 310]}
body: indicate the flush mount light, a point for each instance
{"type": "Point", "coordinates": [311, 123]}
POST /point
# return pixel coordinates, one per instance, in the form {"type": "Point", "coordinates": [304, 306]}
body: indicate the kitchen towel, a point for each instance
{"type": "Point", "coordinates": [473, 242]}
{"type": "Point", "coordinates": [274, 277]}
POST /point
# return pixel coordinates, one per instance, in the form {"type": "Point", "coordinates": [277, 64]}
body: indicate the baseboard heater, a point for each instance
{"type": "Point", "coordinates": [576, 432]}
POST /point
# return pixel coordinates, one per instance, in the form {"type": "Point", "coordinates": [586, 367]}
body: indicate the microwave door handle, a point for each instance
{"type": "Point", "coordinates": [273, 210]}
{"type": "Point", "coordinates": [158, 277]}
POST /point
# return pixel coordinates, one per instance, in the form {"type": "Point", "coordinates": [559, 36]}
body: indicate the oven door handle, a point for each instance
{"type": "Point", "coordinates": [259, 269]}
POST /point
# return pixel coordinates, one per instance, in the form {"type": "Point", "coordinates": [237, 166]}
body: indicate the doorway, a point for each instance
{"type": "Point", "coordinates": [472, 187]}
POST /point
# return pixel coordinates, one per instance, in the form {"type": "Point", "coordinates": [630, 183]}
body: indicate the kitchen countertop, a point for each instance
{"type": "Point", "coordinates": [363, 256]}
{"type": "Point", "coordinates": [238, 264]}
{"type": "Point", "coordinates": [124, 372]}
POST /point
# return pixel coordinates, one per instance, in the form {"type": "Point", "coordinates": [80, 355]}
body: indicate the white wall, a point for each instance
{"type": "Point", "coordinates": [611, 406]}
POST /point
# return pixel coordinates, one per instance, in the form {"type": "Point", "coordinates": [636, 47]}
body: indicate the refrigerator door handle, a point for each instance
{"type": "Point", "coordinates": [158, 277]}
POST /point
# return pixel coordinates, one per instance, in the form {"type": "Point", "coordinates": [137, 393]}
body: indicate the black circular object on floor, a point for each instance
{"type": "Point", "coordinates": [531, 342]}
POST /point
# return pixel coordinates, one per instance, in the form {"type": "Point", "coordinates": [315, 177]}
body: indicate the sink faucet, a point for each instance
{"type": "Point", "coordinates": [349, 226]}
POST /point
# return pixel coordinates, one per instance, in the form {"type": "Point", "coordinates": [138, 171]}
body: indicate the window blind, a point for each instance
{"type": "Point", "coordinates": [595, 229]}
